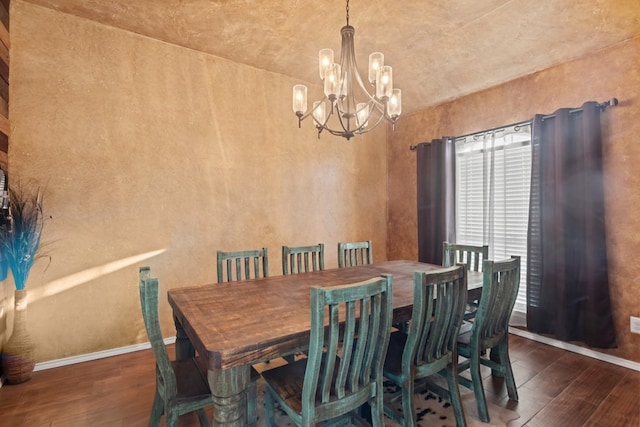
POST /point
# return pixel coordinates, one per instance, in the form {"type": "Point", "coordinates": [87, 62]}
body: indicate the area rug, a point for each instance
{"type": "Point", "coordinates": [431, 410]}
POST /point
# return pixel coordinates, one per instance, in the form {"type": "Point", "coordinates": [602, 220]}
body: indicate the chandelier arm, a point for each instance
{"type": "Point", "coordinates": [380, 117]}
{"type": "Point", "coordinates": [363, 128]}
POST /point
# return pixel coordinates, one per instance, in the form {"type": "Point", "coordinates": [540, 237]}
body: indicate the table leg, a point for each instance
{"type": "Point", "coordinates": [184, 348]}
{"type": "Point", "coordinates": [229, 397]}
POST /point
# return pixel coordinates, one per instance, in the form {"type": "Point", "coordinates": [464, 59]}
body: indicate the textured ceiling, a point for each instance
{"type": "Point", "coordinates": [439, 49]}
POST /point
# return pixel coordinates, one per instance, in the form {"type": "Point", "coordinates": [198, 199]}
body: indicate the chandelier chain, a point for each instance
{"type": "Point", "coordinates": [347, 12]}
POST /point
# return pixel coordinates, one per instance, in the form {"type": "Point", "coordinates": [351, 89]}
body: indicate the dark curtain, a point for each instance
{"type": "Point", "coordinates": [567, 275]}
{"type": "Point", "coordinates": [436, 198]}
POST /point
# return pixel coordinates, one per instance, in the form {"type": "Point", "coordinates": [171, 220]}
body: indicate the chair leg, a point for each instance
{"type": "Point", "coordinates": [478, 389]}
{"type": "Point", "coordinates": [503, 352]}
{"type": "Point", "coordinates": [377, 408]}
{"type": "Point", "coordinates": [171, 418]}
{"type": "Point", "coordinates": [156, 410]}
{"type": "Point", "coordinates": [407, 404]}
{"type": "Point", "coordinates": [269, 407]}
{"type": "Point", "coordinates": [203, 418]}
{"type": "Point", "coordinates": [454, 395]}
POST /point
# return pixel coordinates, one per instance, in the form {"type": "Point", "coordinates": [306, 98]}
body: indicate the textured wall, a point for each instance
{"type": "Point", "coordinates": [160, 155]}
{"type": "Point", "coordinates": [611, 73]}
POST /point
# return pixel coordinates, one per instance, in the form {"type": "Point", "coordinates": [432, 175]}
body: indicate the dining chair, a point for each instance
{"type": "Point", "coordinates": [429, 345]}
{"type": "Point", "coordinates": [472, 256]}
{"type": "Point", "coordinates": [490, 331]}
{"type": "Point", "coordinates": [343, 370]}
{"type": "Point", "coordinates": [354, 253]}
{"type": "Point", "coordinates": [180, 386]}
{"type": "Point", "coordinates": [302, 259]}
{"type": "Point", "coordinates": [242, 265]}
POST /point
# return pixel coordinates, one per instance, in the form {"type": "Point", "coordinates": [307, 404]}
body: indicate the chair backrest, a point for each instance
{"type": "Point", "coordinates": [439, 300]}
{"type": "Point", "coordinates": [167, 387]}
{"type": "Point", "coordinates": [471, 256]}
{"type": "Point", "coordinates": [501, 280]}
{"type": "Point", "coordinates": [238, 265]}
{"type": "Point", "coordinates": [354, 253]}
{"type": "Point", "coordinates": [359, 316]}
{"type": "Point", "coordinates": [302, 259]}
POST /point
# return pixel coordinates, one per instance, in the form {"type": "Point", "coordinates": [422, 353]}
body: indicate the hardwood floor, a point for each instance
{"type": "Point", "coordinates": [556, 388]}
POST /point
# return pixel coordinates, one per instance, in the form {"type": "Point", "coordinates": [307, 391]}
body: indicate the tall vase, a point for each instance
{"type": "Point", "coordinates": [17, 358]}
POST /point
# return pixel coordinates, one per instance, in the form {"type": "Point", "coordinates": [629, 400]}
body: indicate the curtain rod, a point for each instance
{"type": "Point", "coordinates": [602, 106]}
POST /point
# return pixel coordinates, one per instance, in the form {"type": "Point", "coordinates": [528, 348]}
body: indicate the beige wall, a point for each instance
{"type": "Point", "coordinates": [159, 155]}
{"type": "Point", "coordinates": [612, 73]}
{"type": "Point", "coordinates": [154, 154]}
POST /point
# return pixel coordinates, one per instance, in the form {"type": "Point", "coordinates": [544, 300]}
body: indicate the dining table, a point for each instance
{"type": "Point", "coordinates": [234, 325]}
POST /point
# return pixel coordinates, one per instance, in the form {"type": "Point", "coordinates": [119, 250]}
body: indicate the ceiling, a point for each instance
{"type": "Point", "coordinates": [439, 49]}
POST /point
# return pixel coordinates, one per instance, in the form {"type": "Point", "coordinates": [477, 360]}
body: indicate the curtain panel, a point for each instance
{"type": "Point", "coordinates": [567, 274]}
{"type": "Point", "coordinates": [436, 198]}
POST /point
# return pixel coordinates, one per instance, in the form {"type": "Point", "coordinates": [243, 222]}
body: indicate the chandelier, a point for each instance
{"type": "Point", "coordinates": [348, 108]}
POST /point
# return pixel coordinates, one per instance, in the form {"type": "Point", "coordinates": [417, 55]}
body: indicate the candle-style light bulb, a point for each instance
{"type": "Point", "coordinates": [299, 99]}
{"type": "Point", "coordinates": [376, 60]}
{"type": "Point", "coordinates": [325, 58]}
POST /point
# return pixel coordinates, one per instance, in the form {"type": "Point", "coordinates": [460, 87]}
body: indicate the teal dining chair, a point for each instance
{"type": "Point", "coordinates": [302, 259]}
{"type": "Point", "coordinates": [233, 266]}
{"type": "Point", "coordinates": [472, 256]}
{"type": "Point", "coordinates": [180, 386]}
{"type": "Point", "coordinates": [242, 265]}
{"type": "Point", "coordinates": [490, 331]}
{"type": "Point", "coordinates": [354, 253]}
{"type": "Point", "coordinates": [429, 345]}
{"type": "Point", "coordinates": [350, 327]}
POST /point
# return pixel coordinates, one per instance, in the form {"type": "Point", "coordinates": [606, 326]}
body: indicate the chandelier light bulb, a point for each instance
{"type": "Point", "coordinates": [384, 82]}
{"type": "Point", "coordinates": [332, 81]}
{"type": "Point", "coordinates": [299, 99]}
{"type": "Point", "coordinates": [376, 60]}
{"type": "Point", "coordinates": [319, 113]}
{"type": "Point", "coordinates": [362, 114]}
{"type": "Point", "coordinates": [325, 58]}
{"type": "Point", "coordinates": [394, 106]}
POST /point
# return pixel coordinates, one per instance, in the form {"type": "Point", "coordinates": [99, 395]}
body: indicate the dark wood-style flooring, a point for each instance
{"type": "Point", "coordinates": [556, 388]}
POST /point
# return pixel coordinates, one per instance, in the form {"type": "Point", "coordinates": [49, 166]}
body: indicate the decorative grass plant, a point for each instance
{"type": "Point", "coordinates": [20, 239]}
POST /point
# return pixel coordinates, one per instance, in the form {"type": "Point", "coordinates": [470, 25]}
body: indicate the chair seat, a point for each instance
{"type": "Point", "coordinates": [189, 380]}
{"type": "Point", "coordinates": [287, 381]}
{"type": "Point", "coordinates": [464, 337]}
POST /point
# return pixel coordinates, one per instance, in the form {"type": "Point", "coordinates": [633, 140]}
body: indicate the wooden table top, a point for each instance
{"type": "Point", "coordinates": [245, 322]}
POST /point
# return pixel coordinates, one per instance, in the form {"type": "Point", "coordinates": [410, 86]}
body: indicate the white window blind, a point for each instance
{"type": "Point", "coordinates": [493, 175]}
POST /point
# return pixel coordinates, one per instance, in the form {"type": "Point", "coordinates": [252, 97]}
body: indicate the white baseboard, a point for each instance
{"type": "Point", "coordinates": [577, 349]}
{"type": "Point", "coordinates": [97, 355]}
{"type": "Point", "coordinates": [525, 334]}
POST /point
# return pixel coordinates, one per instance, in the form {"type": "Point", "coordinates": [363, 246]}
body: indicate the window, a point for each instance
{"type": "Point", "coordinates": [493, 175]}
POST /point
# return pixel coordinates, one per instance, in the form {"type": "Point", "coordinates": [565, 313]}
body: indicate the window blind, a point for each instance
{"type": "Point", "coordinates": [492, 197]}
